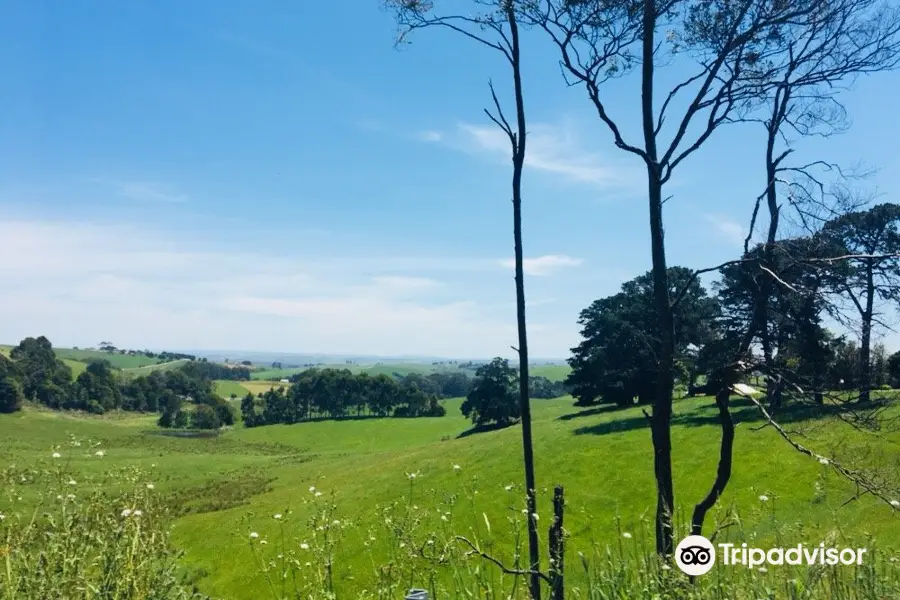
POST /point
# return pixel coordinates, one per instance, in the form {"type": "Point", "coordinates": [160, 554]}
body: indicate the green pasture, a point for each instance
{"type": "Point", "coordinates": [602, 456]}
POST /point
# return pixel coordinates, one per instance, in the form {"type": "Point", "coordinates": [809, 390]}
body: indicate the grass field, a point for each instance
{"type": "Point", "coordinates": [268, 470]}
{"type": "Point", "coordinates": [119, 361]}
{"type": "Point", "coordinates": [146, 370]}
{"type": "Point", "coordinates": [226, 388]}
{"type": "Point", "coordinates": [551, 372]}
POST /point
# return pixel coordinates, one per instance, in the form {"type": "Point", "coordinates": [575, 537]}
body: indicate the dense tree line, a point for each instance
{"type": "Point", "coordinates": [209, 370]}
{"type": "Point", "coordinates": [337, 393]}
{"type": "Point", "coordinates": [616, 361]}
{"type": "Point", "coordinates": [454, 384]}
{"type": "Point", "coordinates": [185, 396]}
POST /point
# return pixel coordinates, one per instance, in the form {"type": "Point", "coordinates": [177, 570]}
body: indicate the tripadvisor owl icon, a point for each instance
{"type": "Point", "coordinates": [695, 555]}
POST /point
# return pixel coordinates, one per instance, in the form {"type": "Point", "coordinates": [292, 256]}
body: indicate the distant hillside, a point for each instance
{"type": "Point", "coordinates": [133, 363]}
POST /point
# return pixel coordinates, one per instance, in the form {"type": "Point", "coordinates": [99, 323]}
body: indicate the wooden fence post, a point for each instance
{"type": "Point", "coordinates": [557, 546]}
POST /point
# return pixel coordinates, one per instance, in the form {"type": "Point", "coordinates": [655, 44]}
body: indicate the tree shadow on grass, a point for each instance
{"type": "Point", "coordinates": [484, 429]}
{"type": "Point", "coordinates": [742, 411]}
{"type": "Point", "coordinates": [591, 411]}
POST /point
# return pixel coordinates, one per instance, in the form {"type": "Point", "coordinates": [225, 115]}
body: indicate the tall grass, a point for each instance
{"type": "Point", "coordinates": [415, 544]}
{"type": "Point", "coordinates": [64, 537]}
{"type": "Point", "coordinates": [81, 538]}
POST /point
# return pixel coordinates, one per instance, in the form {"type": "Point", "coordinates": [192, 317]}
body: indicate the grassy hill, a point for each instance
{"type": "Point", "coordinates": [119, 361]}
{"type": "Point", "coordinates": [77, 366]}
{"type": "Point", "coordinates": [234, 483]}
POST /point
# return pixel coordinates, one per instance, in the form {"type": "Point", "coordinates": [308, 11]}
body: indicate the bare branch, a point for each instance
{"type": "Point", "coordinates": [855, 477]}
{"type": "Point", "coordinates": [479, 552]}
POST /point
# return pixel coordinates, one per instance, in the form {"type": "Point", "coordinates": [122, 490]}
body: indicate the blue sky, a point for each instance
{"type": "Point", "coordinates": [218, 175]}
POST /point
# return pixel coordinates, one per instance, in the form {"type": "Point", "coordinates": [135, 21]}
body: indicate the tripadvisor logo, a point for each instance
{"type": "Point", "coordinates": [695, 555]}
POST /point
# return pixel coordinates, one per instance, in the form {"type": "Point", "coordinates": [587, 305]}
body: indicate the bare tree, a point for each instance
{"type": "Point", "coordinates": [785, 57]}
{"type": "Point", "coordinates": [871, 241]}
{"type": "Point", "coordinates": [495, 25]}
{"type": "Point", "coordinates": [821, 55]}
{"type": "Point", "coordinates": [730, 44]}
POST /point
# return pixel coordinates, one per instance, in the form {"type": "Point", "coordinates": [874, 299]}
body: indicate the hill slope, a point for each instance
{"type": "Point", "coordinates": [602, 456]}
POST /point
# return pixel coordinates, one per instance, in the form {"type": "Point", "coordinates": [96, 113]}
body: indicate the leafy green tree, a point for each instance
{"type": "Point", "coordinates": [541, 387]}
{"type": "Point", "coordinates": [793, 341]}
{"type": "Point", "coordinates": [96, 389]}
{"type": "Point", "coordinates": [382, 394]}
{"type": "Point", "coordinates": [494, 396]}
{"type": "Point", "coordinates": [11, 394]}
{"type": "Point", "coordinates": [170, 406]}
{"type": "Point", "coordinates": [205, 417]}
{"type": "Point", "coordinates": [869, 240]}
{"type": "Point", "coordinates": [181, 419]}
{"type": "Point", "coordinates": [248, 411]}
{"type": "Point", "coordinates": [893, 369]}
{"type": "Point", "coordinates": [45, 378]}
{"type": "Point", "coordinates": [616, 361]}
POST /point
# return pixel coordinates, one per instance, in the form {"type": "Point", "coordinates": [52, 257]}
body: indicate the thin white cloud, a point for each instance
{"type": "Point", "coordinates": [144, 191]}
{"type": "Point", "coordinates": [554, 149]}
{"type": "Point", "coordinates": [543, 265]}
{"type": "Point", "coordinates": [78, 283]}
{"type": "Point", "coordinates": [429, 136]}
{"type": "Point", "coordinates": [728, 229]}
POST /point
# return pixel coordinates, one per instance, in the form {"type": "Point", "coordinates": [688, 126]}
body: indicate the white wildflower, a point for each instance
{"type": "Point", "coordinates": [444, 518]}
{"type": "Point", "coordinates": [508, 487]}
{"type": "Point", "coordinates": [312, 489]}
{"type": "Point", "coordinates": [317, 494]}
{"type": "Point", "coordinates": [57, 455]}
{"type": "Point", "coordinates": [763, 570]}
{"type": "Point", "coordinates": [304, 546]}
{"type": "Point", "coordinates": [73, 482]}
{"type": "Point", "coordinates": [335, 522]}
{"type": "Point", "coordinates": [535, 516]}
{"type": "Point", "coordinates": [277, 517]}
{"type": "Point", "coordinates": [138, 513]}
{"type": "Point", "coordinates": [626, 535]}
{"type": "Point", "coordinates": [895, 503]}
{"type": "Point", "coordinates": [99, 453]}
{"type": "Point", "coordinates": [150, 486]}
{"type": "Point", "coordinates": [823, 460]}
{"type": "Point", "coordinates": [412, 475]}
{"type": "Point", "coordinates": [263, 542]}
{"type": "Point", "coordinates": [456, 467]}
{"type": "Point", "coordinates": [71, 496]}
{"type": "Point", "coordinates": [763, 498]}
{"type": "Point", "coordinates": [253, 535]}
{"type": "Point", "coordinates": [403, 544]}
{"type": "Point", "coordinates": [126, 513]}
{"type": "Point", "coordinates": [666, 568]}
{"type": "Point", "coordinates": [2, 516]}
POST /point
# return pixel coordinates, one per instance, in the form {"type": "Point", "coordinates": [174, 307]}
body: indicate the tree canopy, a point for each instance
{"type": "Point", "coordinates": [494, 396]}
{"type": "Point", "coordinates": [616, 361]}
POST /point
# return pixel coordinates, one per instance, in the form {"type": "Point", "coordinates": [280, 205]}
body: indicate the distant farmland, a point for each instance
{"type": "Point", "coordinates": [551, 372]}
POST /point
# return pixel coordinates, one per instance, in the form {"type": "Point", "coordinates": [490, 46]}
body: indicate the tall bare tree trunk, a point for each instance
{"type": "Point", "coordinates": [524, 401]}
{"type": "Point", "coordinates": [661, 421]}
{"type": "Point", "coordinates": [758, 325]}
{"type": "Point", "coordinates": [865, 347]}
